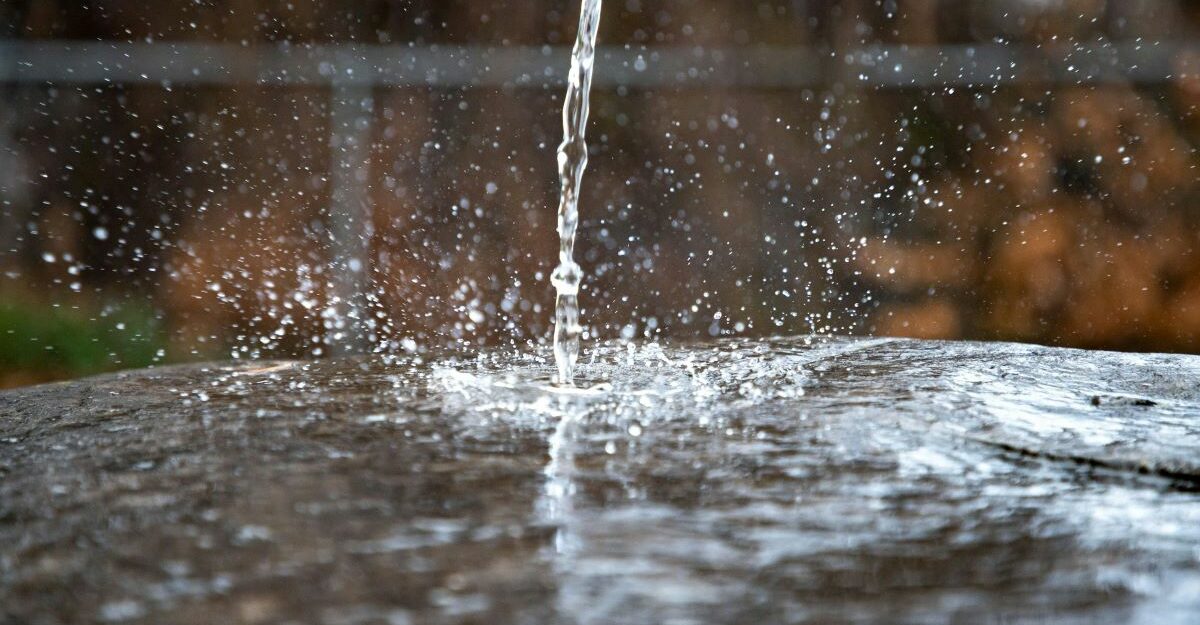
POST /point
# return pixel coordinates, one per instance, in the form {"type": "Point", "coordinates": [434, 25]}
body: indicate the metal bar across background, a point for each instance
{"type": "Point", "coordinates": [983, 65]}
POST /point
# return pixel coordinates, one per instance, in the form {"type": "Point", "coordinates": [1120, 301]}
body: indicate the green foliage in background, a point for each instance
{"type": "Point", "coordinates": [39, 338]}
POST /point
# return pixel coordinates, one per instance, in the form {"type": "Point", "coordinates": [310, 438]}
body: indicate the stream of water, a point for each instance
{"type": "Point", "coordinates": [572, 161]}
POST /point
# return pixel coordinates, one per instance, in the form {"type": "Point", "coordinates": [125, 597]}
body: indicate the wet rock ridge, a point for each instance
{"type": "Point", "coordinates": [790, 480]}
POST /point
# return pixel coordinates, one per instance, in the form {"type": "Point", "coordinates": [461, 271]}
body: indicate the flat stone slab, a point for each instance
{"type": "Point", "coordinates": [783, 481]}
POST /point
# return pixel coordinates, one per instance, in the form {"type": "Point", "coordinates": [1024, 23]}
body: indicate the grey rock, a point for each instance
{"type": "Point", "coordinates": [782, 481]}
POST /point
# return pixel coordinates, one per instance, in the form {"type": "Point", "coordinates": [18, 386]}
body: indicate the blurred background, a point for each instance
{"type": "Point", "coordinates": [306, 178]}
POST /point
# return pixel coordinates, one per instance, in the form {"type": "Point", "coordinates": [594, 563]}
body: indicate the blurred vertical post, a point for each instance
{"type": "Point", "coordinates": [349, 217]}
{"type": "Point", "coordinates": [11, 171]}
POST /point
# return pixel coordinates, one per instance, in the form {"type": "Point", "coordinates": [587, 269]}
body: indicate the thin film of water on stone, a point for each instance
{"type": "Point", "coordinates": [786, 480]}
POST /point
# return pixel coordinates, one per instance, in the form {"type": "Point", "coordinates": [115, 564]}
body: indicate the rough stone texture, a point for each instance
{"type": "Point", "coordinates": [792, 480]}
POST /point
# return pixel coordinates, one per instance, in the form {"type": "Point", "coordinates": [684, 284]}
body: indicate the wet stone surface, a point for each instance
{"type": "Point", "coordinates": [783, 481]}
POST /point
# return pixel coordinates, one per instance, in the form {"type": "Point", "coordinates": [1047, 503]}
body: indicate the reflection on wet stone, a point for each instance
{"type": "Point", "coordinates": [791, 480]}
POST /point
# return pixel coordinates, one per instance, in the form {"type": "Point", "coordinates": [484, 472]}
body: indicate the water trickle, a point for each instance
{"type": "Point", "coordinates": [572, 160]}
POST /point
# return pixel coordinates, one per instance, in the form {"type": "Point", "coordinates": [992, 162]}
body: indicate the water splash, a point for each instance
{"type": "Point", "coordinates": [572, 160]}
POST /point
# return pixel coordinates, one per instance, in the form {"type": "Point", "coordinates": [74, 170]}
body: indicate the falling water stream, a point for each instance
{"type": "Point", "coordinates": [572, 160]}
